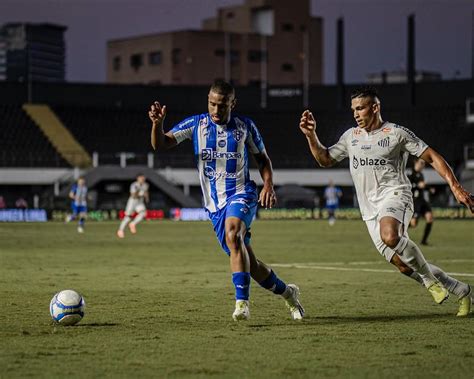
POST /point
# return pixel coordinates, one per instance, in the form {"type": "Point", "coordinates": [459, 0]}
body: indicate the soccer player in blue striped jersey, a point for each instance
{"type": "Point", "coordinates": [78, 195]}
{"type": "Point", "coordinates": [222, 142]}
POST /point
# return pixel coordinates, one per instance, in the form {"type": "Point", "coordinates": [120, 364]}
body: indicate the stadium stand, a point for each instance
{"type": "Point", "coordinates": [22, 144]}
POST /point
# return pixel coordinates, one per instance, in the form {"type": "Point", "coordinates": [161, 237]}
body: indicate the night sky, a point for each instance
{"type": "Point", "coordinates": [375, 30]}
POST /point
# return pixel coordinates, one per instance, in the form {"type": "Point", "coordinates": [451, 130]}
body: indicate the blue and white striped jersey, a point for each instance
{"type": "Point", "coordinates": [80, 195]}
{"type": "Point", "coordinates": [222, 155]}
{"type": "Point", "coordinates": [332, 195]}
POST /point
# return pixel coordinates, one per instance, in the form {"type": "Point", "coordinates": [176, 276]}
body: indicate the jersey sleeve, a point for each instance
{"type": "Point", "coordinates": [339, 150]}
{"type": "Point", "coordinates": [410, 142]}
{"type": "Point", "coordinates": [184, 130]}
{"type": "Point", "coordinates": [133, 188]}
{"type": "Point", "coordinates": [254, 139]}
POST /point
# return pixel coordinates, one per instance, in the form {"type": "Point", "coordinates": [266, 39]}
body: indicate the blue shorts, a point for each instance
{"type": "Point", "coordinates": [243, 206]}
{"type": "Point", "coordinates": [76, 209]}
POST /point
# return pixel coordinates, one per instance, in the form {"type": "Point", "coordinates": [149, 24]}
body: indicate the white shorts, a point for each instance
{"type": "Point", "coordinates": [399, 210]}
{"type": "Point", "coordinates": [134, 205]}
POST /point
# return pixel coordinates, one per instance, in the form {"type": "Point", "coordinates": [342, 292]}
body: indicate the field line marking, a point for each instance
{"type": "Point", "coordinates": [378, 262]}
{"type": "Point", "coordinates": [330, 268]}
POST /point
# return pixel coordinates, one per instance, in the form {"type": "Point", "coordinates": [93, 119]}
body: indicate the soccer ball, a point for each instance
{"type": "Point", "coordinates": [67, 307]}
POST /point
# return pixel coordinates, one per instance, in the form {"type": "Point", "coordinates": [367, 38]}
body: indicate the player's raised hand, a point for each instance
{"type": "Point", "coordinates": [307, 123]}
{"type": "Point", "coordinates": [157, 113]}
{"type": "Point", "coordinates": [464, 197]}
{"type": "Point", "coordinates": [267, 197]}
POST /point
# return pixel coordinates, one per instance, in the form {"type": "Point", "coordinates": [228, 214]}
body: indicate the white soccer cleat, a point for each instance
{"type": "Point", "coordinates": [120, 234]}
{"type": "Point", "coordinates": [242, 311]}
{"type": "Point", "coordinates": [291, 295]}
{"type": "Point", "coordinates": [80, 229]}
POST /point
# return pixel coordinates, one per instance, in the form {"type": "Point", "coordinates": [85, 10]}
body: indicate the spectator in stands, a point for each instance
{"type": "Point", "coordinates": [21, 203]}
{"type": "Point", "coordinates": [2, 203]}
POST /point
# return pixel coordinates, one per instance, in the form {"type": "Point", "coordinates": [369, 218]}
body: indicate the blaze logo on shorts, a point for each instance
{"type": "Point", "coordinates": [356, 162]}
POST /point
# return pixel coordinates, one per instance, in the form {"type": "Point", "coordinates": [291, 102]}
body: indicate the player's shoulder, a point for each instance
{"type": "Point", "coordinates": [192, 121]}
{"type": "Point", "coordinates": [242, 120]}
{"type": "Point", "coordinates": [391, 127]}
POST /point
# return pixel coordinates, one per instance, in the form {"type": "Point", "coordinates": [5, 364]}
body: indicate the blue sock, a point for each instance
{"type": "Point", "coordinates": [274, 284]}
{"type": "Point", "coordinates": [241, 282]}
{"type": "Point", "coordinates": [81, 221]}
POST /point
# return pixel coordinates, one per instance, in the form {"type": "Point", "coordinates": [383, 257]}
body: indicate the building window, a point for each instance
{"type": "Point", "coordinates": [116, 63]}
{"type": "Point", "coordinates": [287, 67]}
{"type": "Point", "coordinates": [154, 58]}
{"type": "Point", "coordinates": [230, 15]}
{"type": "Point", "coordinates": [287, 27]}
{"type": "Point", "coordinates": [176, 56]}
{"type": "Point", "coordinates": [136, 61]}
{"type": "Point", "coordinates": [234, 57]}
{"type": "Point", "coordinates": [256, 56]}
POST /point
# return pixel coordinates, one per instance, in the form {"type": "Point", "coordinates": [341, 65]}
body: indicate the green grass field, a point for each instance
{"type": "Point", "coordinates": [159, 304]}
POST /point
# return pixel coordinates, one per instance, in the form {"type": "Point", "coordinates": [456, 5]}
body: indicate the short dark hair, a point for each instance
{"type": "Point", "coordinates": [222, 88]}
{"type": "Point", "coordinates": [140, 174]}
{"type": "Point", "coordinates": [367, 91]}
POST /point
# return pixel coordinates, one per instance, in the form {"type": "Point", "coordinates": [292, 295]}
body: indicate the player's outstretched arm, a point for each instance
{"type": "Point", "coordinates": [267, 197]}
{"type": "Point", "coordinates": [159, 139]}
{"type": "Point", "coordinates": [319, 151]}
{"type": "Point", "coordinates": [442, 168]}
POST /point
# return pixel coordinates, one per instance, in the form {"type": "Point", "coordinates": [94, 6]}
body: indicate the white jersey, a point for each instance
{"type": "Point", "coordinates": [137, 191]}
{"type": "Point", "coordinates": [377, 164]}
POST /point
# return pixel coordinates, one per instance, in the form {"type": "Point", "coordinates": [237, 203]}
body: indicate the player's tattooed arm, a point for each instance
{"type": "Point", "coordinates": [160, 139]}
{"type": "Point", "coordinates": [267, 197]}
{"type": "Point", "coordinates": [442, 168]}
{"type": "Point", "coordinates": [319, 151]}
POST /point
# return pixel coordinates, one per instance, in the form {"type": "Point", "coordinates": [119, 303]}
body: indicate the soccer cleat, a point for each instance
{"type": "Point", "coordinates": [120, 234]}
{"type": "Point", "coordinates": [80, 229]}
{"type": "Point", "coordinates": [133, 228]}
{"type": "Point", "coordinates": [465, 303]}
{"type": "Point", "coordinates": [439, 293]}
{"type": "Point", "coordinates": [242, 311]}
{"type": "Point", "coordinates": [293, 302]}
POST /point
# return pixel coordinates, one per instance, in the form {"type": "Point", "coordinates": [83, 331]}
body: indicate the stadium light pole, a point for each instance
{"type": "Point", "coordinates": [263, 71]}
{"type": "Point", "coordinates": [305, 69]}
{"type": "Point", "coordinates": [227, 57]}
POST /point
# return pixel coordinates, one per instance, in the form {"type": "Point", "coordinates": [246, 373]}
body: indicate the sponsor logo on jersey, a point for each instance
{"type": "Point", "coordinates": [209, 155]}
{"type": "Point", "coordinates": [221, 133]}
{"type": "Point", "coordinates": [384, 142]}
{"type": "Point", "coordinates": [212, 174]}
{"type": "Point", "coordinates": [366, 147]}
{"type": "Point", "coordinates": [368, 162]}
{"type": "Point", "coordinates": [239, 201]}
{"type": "Point", "coordinates": [391, 210]}
{"type": "Point", "coordinates": [221, 143]}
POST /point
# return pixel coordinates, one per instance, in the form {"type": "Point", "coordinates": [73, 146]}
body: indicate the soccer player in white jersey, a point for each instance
{"type": "Point", "coordinates": [378, 151]}
{"type": "Point", "coordinates": [78, 195]}
{"type": "Point", "coordinates": [139, 196]}
{"type": "Point", "coordinates": [222, 143]}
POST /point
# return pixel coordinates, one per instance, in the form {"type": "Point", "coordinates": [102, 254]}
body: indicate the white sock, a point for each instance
{"type": "Point", "coordinates": [412, 256]}
{"type": "Point", "coordinates": [124, 223]}
{"type": "Point", "coordinates": [453, 285]}
{"type": "Point", "coordinates": [139, 218]}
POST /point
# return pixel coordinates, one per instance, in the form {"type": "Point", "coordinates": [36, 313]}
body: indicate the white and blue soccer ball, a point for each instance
{"type": "Point", "coordinates": [67, 307]}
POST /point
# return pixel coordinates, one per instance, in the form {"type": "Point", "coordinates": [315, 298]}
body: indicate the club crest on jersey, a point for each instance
{"type": "Point", "coordinates": [203, 122]}
{"type": "Point", "coordinates": [221, 143]}
{"type": "Point", "coordinates": [237, 134]}
{"type": "Point", "coordinates": [386, 130]}
{"type": "Point", "coordinates": [384, 142]}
